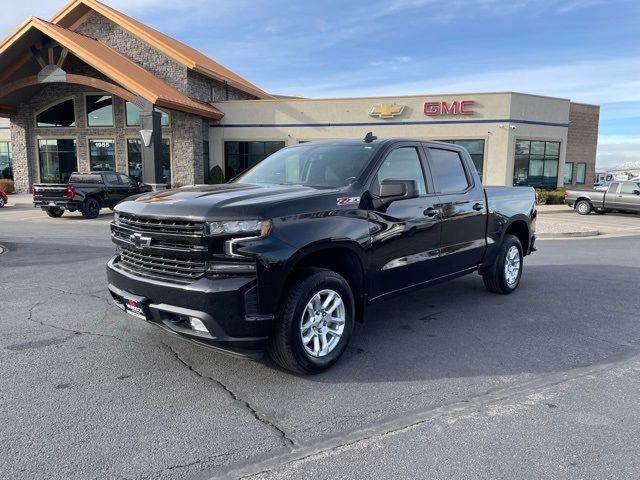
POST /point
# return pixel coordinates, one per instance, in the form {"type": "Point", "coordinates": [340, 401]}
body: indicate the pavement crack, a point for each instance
{"type": "Point", "coordinates": [288, 441]}
{"type": "Point", "coordinates": [206, 460]}
{"type": "Point", "coordinates": [78, 332]}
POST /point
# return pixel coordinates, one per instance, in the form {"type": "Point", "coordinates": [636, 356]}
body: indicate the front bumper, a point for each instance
{"type": "Point", "coordinates": [226, 305]}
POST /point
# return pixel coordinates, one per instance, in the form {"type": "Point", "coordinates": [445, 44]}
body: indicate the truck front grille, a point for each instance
{"type": "Point", "coordinates": [160, 265]}
{"type": "Point", "coordinates": [154, 225]}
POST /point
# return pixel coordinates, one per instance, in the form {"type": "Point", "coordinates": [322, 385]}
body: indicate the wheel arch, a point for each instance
{"type": "Point", "coordinates": [345, 258]}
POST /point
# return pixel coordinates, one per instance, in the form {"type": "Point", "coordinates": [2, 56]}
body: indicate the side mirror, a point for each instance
{"type": "Point", "coordinates": [391, 190]}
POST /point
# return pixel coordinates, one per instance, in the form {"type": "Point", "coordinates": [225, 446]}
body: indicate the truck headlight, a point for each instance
{"type": "Point", "coordinates": [230, 227]}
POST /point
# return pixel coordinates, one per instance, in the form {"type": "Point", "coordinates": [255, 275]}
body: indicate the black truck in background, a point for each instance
{"type": "Point", "coordinates": [85, 192]}
{"type": "Point", "coordinates": [289, 255]}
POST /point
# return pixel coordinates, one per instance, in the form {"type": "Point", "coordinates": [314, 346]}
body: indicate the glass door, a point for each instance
{"type": "Point", "coordinates": [58, 160]}
{"type": "Point", "coordinates": [102, 155]}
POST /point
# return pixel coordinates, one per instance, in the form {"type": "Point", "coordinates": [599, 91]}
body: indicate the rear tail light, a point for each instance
{"type": "Point", "coordinates": [33, 190]}
{"type": "Point", "coordinates": [71, 191]}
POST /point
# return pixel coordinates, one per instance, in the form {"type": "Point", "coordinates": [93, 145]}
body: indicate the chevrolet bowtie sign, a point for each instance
{"type": "Point", "coordinates": [386, 110]}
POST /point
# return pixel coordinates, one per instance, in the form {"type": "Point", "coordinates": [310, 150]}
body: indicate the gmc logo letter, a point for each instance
{"type": "Point", "coordinates": [434, 109]}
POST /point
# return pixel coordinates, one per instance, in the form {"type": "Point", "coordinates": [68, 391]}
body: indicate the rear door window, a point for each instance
{"type": "Point", "coordinates": [111, 178]}
{"type": "Point", "coordinates": [613, 188]}
{"type": "Point", "coordinates": [448, 170]}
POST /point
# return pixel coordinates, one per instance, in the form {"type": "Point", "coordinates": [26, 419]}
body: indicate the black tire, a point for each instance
{"type": "Point", "coordinates": [584, 207]}
{"type": "Point", "coordinates": [1, 202]}
{"type": "Point", "coordinates": [91, 208]}
{"type": "Point", "coordinates": [285, 344]}
{"type": "Point", "coordinates": [54, 212]}
{"type": "Point", "coordinates": [496, 279]}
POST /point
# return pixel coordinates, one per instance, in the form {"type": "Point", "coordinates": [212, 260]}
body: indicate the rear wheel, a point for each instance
{"type": "Point", "coordinates": [583, 207]}
{"type": "Point", "coordinates": [91, 208]}
{"type": "Point", "coordinates": [314, 323]}
{"type": "Point", "coordinates": [506, 274]}
{"type": "Point", "coordinates": [1, 201]}
{"type": "Point", "coordinates": [55, 212]}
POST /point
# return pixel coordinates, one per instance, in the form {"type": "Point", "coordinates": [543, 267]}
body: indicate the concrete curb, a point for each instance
{"type": "Point", "coordinates": [591, 233]}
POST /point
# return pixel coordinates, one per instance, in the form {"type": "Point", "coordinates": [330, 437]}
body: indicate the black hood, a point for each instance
{"type": "Point", "coordinates": [232, 201]}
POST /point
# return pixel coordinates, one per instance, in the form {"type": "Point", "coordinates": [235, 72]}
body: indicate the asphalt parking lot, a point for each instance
{"type": "Point", "coordinates": [450, 382]}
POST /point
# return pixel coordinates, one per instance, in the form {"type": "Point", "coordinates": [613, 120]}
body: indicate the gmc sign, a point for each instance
{"type": "Point", "coordinates": [434, 109]}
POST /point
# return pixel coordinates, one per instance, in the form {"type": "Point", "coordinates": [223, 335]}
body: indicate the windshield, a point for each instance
{"type": "Point", "coordinates": [314, 165]}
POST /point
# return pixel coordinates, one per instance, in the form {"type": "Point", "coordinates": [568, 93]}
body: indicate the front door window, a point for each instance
{"type": "Point", "coordinates": [102, 155]}
{"type": "Point", "coordinates": [58, 159]}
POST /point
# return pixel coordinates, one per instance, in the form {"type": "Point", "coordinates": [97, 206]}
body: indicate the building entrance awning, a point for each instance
{"type": "Point", "coordinates": [29, 57]}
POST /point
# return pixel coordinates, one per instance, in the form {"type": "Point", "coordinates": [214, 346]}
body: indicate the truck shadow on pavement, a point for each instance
{"type": "Point", "coordinates": [555, 321]}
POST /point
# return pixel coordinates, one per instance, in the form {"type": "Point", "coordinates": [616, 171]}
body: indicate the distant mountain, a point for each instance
{"type": "Point", "coordinates": [634, 165]}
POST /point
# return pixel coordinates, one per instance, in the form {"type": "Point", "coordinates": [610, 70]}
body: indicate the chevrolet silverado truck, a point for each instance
{"type": "Point", "coordinates": [85, 192]}
{"type": "Point", "coordinates": [289, 255]}
{"type": "Point", "coordinates": [620, 196]}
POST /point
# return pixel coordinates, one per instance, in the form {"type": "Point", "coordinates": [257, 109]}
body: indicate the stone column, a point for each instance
{"type": "Point", "coordinates": [151, 131]}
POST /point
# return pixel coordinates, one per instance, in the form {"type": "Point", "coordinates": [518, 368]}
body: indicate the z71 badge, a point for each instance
{"type": "Point", "coordinates": [348, 201]}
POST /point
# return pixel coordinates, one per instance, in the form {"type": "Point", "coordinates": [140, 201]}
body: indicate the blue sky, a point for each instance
{"type": "Point", "coordinates": [586, 50]}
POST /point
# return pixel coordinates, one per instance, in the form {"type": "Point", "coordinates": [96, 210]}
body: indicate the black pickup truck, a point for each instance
{"type": "Point", "coordinates": [290, 254]}
{"type": "Point", "coordinates": [85, 192]}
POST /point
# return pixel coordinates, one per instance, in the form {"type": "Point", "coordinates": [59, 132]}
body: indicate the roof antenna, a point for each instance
{"type": "Point", "coordinates": [369, 137]}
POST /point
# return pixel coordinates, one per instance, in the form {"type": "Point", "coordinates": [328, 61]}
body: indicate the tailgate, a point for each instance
{"type": "Point", "coordinates": [50, 192]}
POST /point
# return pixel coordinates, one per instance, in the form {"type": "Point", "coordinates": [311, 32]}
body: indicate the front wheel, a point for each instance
{"type": "Point", "coordinates": [1, 201]}
{"type": "Point", "coordinates": [54, 212]}
{"type": "Point", "coordinates": [314, 323]}
{"type": "Point", "coordinates": [506, 274]}
{"type": "Point", "coordinates": [91, 208]}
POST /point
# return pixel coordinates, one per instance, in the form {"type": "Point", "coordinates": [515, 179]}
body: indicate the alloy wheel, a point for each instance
{"type": "Point", "coordinates": [322, 323]}
{"type": "Point", "coordinates": [512, 265]}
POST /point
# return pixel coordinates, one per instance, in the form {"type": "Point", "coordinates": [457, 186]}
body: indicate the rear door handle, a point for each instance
{"type": "Point", "coordinates": [478, 206]}
{"type": "Point", "coordinates": [431, 212]}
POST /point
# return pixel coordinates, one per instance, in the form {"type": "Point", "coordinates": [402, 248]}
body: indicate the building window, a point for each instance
{"type": "Point", "coordinates": [59, 115]}
{"type": "Point", "coordinates": [100, 110]}
{"type": "Point", "coordinates": [58, 160]}
{"type": "Point", "coordinates": [568, 173]}
{"type": "Point", "coordinates": [132, 114]}
{"type": "Point", "coordinates": [239, 156]}
{"type": "Point", "coordinates": [536, 163]}
{"type": "Point", "coordinates": [134, 159]}
{"type": "Point", "coordinates": [581, 173]}
{"type": "Point", "coordinates": [475, 149]}
{"type": "Point", "coordinates": [102, 155]}
{"type": "Point", "coordinates": [5, 160]}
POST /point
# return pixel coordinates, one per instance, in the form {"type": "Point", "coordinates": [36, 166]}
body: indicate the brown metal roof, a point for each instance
{"type": "Point", "coordinates": [117, 67]}
{"type": "Point", "coordinates": [72, 14]}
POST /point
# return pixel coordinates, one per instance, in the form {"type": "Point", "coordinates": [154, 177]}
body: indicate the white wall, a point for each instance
{"type": "Point", "coordinates": [293, 120]}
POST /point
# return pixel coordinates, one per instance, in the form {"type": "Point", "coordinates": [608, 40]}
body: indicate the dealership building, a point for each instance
{"type": "Point", "coordinates": [93, 89]}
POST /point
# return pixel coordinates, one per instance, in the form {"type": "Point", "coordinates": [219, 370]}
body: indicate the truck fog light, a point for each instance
{"type": "Point", "coordinates": [197, 325]}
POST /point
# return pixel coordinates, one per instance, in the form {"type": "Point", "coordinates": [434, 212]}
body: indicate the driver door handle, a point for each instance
{"type": "Point", "coordinates": [478, 206]}
{"type": "Point", "coordinates": [431, 212]}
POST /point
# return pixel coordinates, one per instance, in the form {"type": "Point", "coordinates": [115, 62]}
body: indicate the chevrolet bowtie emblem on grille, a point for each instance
{"type": "Point", "coordinates": [386, 110]}
{"type": "Point", "coordinates": [140, 241]}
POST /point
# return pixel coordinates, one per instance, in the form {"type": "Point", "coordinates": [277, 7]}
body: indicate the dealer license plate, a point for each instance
{"type": "Point", "coordinates": [135, 307]}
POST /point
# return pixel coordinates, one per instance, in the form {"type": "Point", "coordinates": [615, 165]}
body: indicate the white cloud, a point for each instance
{"type": "Point", "coordinates": [614, 150]}
{"type": "Point", "coordinates": [595, 81]}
